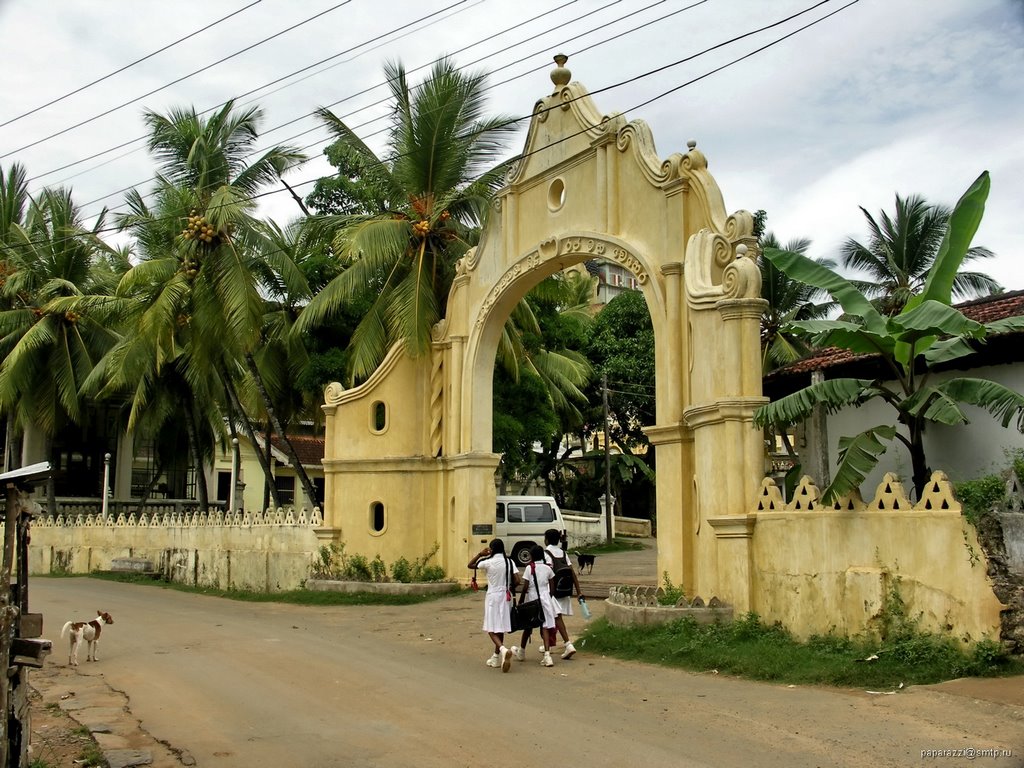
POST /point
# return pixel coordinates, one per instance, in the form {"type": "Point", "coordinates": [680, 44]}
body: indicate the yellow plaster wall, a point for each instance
{"type": "Point", "coordinates": [819, 569]}
{"type": "Point", "coordinates": [256, 552]}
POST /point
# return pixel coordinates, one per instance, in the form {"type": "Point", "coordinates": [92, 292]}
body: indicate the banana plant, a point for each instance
{"type": "Point", "coordinates": [927, 332]}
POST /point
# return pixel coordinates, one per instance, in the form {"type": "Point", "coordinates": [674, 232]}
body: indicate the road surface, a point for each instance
{"type": "Point", "coordinates": [235, 684]}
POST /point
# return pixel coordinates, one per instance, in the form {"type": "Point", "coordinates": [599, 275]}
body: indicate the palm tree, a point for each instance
{"type": "Point", "coordinates": [194, 301]}
{"type": "Point", "coordinates": [49, 348]}
{"type": "Point", "coordinates": [900, 252]}
{"type": "Point", "coordinates": [432, 188]}
{"type": "Point", "coordinates": [788, 300]}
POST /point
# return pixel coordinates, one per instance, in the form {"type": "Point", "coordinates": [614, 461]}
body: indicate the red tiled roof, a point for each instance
{"type": "Point", "coordinates": [308, 448]}
{"type": "Point", "coordinates": [986, 310]}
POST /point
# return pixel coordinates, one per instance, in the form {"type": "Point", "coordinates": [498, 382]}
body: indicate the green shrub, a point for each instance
{"type": "Point", "coordinates": [979, 496]}
{"type": "Point", "coordinates": [401, 571]}
{"type": "Point", "coordinates": [672, 594]}
{"type": "Point", "coordinates": [378, 571]}
{"type": "Point", "coordinates": [356, 568]}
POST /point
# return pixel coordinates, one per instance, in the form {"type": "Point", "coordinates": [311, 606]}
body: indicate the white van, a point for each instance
{"type": "Point", "coordinates": [520, 521]}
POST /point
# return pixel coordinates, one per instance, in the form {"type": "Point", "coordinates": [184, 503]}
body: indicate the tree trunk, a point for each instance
{"type": "Point", "coordinates": [263, 458]}
{"type": "Point", "coordinates": [152, 484]}
{"type": "Point", "coordinates": [268, 452]}
{"type": "Point", "coordinates": [289, 450]}
{"type": "Point", "coordinates": [51, 483]}
{"type": "Point", "coordinates": [918, 460]}
{"type": "Point", "coordinates": [197, 461]}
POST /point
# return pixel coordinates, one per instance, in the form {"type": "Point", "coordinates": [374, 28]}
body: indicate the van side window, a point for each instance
{"type": "Point", "coordinates": [530, 513]}
{"type": "Point", "coordinates": [500, 516]}
{"type": "Point", "coordinates": [539, 513]}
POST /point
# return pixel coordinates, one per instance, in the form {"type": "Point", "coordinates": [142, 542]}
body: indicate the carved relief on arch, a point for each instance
{"type": "Point", "coordinates": [575, 246]}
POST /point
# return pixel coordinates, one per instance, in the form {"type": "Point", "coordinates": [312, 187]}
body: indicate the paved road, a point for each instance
{"type": "Point", "coordinates": [237, 684]}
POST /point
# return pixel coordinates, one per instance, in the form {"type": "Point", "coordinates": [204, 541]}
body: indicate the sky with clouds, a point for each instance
{"type": "Point", "coordinates": [883, 96]}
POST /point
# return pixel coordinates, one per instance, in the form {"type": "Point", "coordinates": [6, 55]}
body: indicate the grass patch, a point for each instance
{"type": "Point", "coordinates": [92, 757]}
{"type": "Point", "coordinates": [616, 545]}
{"type": "Point", "coordinates": [294, 597]}
{"type": "Point", "coordinates": [749, 648]}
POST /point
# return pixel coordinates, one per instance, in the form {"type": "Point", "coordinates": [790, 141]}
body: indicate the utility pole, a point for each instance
{"type": "Point", "coordinates": [608, 506]}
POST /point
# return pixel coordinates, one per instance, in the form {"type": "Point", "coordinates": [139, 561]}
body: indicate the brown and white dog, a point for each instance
{"type": "Point", "coordinates": [88, 631]}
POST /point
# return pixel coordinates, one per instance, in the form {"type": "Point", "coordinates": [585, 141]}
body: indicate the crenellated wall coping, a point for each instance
{"type": "Point", "coordinates": [890, 496]}
{"type": "Point", "coordinates": [271, 517]}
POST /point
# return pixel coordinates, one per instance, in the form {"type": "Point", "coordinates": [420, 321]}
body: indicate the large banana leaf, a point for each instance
{"type": "Point", "coordinates": [963, 224]}
{"type": "Point", "coordinates": [805, 270]}
{"type": "Point", "coordinates": [1002, 402]}
{"type": "Point", "coordinates": [933, 318]}
{"type": "Point", "coordinates": [833, 395]}
{"type": "Point", "coordinates": [842, 333]}
{"type": "Point", "coordinates": [858, 455]}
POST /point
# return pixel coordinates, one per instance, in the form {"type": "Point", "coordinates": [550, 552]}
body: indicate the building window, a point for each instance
{"type": "Point", "coordinates": [377, 519]}
{"type": "Point", "coordinates": [285, 488]}
{"type": "Point", "coordinates": [318, 486]}
{"type": "Point", "coordinates": [379, 417]}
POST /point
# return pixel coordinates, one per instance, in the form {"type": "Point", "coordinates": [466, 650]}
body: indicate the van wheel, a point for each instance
{"type": "Point", "coordinates": [521, 554]}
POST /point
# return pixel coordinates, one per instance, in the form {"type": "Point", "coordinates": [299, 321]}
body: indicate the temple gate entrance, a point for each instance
{"type": "Point", "coordinates": [408, 458]}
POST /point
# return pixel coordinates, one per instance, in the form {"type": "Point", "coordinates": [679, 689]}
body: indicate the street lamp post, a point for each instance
{"type": "Point", "coordinates": [234, 474]}
{"type": "Point", "coordinates": [106, 485]}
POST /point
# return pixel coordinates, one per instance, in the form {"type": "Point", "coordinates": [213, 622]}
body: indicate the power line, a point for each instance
{"type": "Point", "coordinates": [582, 131]}
{"type": "Point", "coordinates": [433, 17]}
{"type": "Point", "coordinates": [190, 35]}
{"type": "Point", "coordinates": [463, 67]}
{"type": "Point", "coordinates": [175, 82]}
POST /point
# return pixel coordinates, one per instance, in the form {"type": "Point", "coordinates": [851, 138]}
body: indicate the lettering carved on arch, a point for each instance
{"type": "Point", "coordinates": [562, 246]}
{"type": "Point", "coordinates": [605, 250]}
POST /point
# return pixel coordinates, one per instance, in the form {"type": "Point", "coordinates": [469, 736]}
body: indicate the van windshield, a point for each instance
{"type": "Point", "coordinates": [540, 512]}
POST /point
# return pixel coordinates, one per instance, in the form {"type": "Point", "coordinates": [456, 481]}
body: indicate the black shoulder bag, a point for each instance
{"type": "Point", "coordinates": [528, 614]}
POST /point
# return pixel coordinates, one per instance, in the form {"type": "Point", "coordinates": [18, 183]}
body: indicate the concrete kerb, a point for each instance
{"type": "Point", "coordinates": [382, 588]}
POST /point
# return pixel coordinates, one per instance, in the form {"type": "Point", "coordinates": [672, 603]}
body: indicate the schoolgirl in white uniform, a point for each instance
{"type": "Point", "coordinates": [544, 574]}
{"type": "Point", "coordinates": [502, 579]}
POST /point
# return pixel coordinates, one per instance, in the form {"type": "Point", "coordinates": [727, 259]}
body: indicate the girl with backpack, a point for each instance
{"type": "Point", "coordinates": [537, 577]}
{"type": "Point", "coordinates": [502, 579]}
{"type": "Point", "coordinates": [562, 587]}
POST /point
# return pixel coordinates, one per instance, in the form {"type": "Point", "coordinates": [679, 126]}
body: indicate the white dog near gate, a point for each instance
{"type": "Point", "coordinates": [89, 631]}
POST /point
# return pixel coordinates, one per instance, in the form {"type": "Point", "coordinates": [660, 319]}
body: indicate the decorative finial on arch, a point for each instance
{"type": "Point", "coordinates": [691, 144]}
{"type": "Point", "coordinates": [741, 251]}
{"type": "Point", "coordinates": [560, 75]}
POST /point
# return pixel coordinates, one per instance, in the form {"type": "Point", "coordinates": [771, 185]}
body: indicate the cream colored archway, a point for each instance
{"type": "Point", "coordinates": [408, 459]}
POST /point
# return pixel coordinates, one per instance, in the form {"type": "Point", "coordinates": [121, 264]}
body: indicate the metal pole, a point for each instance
{"type": "Point", "coordinates": [609, 506]}
{"type": "Point", "coordinates": [234, 474]}
{"type": "Point", "coordinates": [106, 484]}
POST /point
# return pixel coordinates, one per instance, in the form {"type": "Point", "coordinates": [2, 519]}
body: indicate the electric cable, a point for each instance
{"type": "Point", "coordinates": [190, 35]}
{"type": "Point", "coordinates": [428, 64]}
{"type": "Point", "coordinates": [633, 108]}
{"type": "Point", "coordinates": [138, 139]}
{"type": "Point", "coordinates": [176, 81]}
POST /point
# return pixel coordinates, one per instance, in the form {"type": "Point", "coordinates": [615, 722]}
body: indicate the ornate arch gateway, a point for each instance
{"type": "Point", "coordinates": [408, 460]}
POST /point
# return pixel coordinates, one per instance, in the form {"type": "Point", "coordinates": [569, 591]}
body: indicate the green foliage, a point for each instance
{"type": "Point", "coordinates": [750, 648]}
{"type": "Point", "coordinates": [292, 597]}
{"type": "Point", "coordinates": [672, 594]}
{"type": "Point", "coordinates": [979, 496]}
{"type": "Point", "coordinates": [419, 570]}
{"type": "Point", "coordinates": [922, 331]}
{"type": "Point", "coordinates": [333, 563]}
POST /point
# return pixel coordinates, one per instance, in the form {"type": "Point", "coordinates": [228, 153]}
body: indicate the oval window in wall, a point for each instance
{"type": "Point", "coordinates": [377, 519]}
{"type": "Point", "coordinates": [379, 417]}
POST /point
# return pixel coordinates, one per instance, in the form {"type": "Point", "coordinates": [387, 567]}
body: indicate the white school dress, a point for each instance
{"type": "Point", "coordinates": [544, 577]}
{"type": "Point", "coordinates": [563, 605]}
{"type": "Point", "coordinates": [499, 571]}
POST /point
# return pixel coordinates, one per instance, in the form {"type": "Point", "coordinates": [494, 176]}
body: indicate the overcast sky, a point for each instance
{"type": "Point", "coordinates": [885, 96]}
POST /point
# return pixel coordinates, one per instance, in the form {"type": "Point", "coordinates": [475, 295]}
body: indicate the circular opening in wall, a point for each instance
{"type": "Point", "coordinates": [556, 195]}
